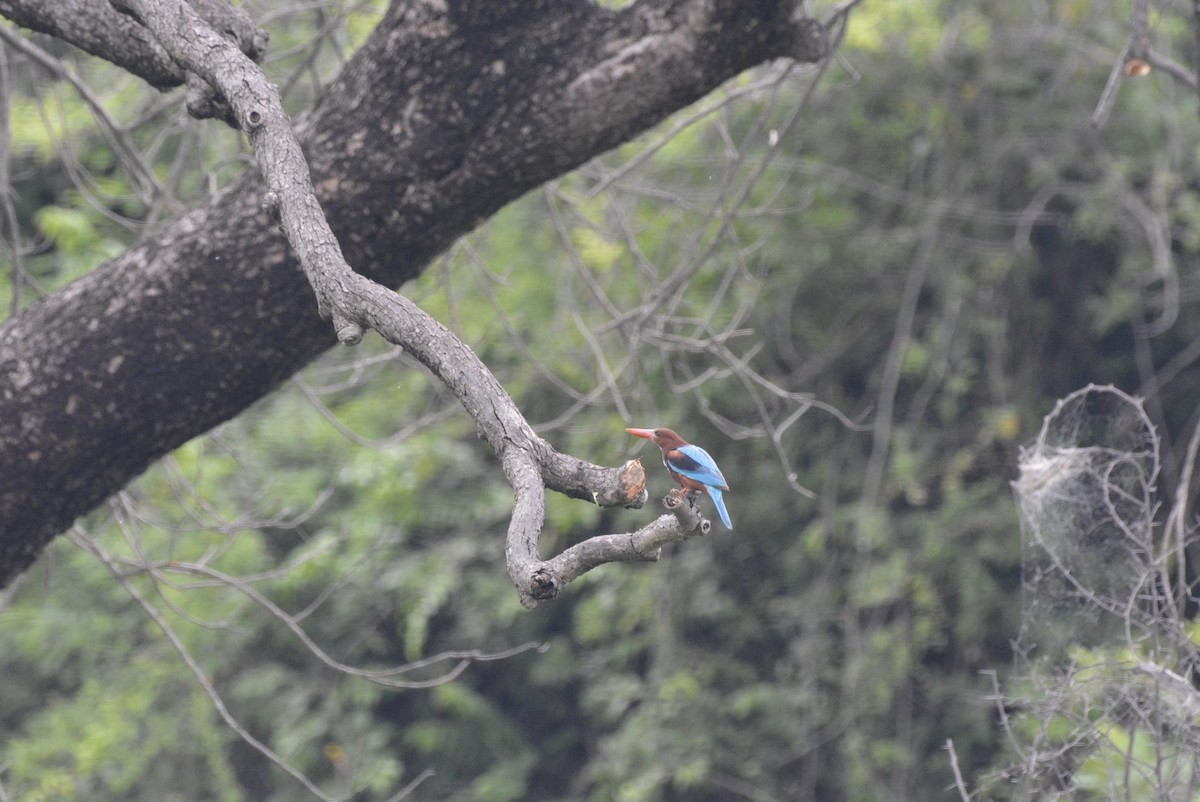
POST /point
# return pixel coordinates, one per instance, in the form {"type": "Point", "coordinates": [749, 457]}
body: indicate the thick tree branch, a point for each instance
{"type": "Point", "coordinates": [256, 108]}
{"type": "Point", "coordinates": [98, 28]}
{"type": "Point", "coordinates": [95, 27]}
{"type": "Point", "coordinates": [357, 303]}
{"type": "Point", "coordinates": [444, 115]}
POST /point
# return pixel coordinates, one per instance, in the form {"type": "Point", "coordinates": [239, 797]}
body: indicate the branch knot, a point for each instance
{"type": "Point", "coordinates": [348, 332]}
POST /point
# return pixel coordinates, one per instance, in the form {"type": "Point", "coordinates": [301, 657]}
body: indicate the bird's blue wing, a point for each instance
{"type": "Point", "coordinates": [695, 463]}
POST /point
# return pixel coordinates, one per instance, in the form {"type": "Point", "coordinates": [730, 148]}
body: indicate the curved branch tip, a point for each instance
{"type": "Point", "coordinates": [633, 479]}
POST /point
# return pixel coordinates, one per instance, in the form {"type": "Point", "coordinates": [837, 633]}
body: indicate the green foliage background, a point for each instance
{"type": "Point", "coordinates": [944, 182]}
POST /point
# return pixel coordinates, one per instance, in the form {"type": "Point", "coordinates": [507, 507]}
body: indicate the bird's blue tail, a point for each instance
{"type": "Point", "coordinates": [720, 502]}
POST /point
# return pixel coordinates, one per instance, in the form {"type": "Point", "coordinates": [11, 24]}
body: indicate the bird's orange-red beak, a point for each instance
{"type": "Point", "coordinates": [646, 433]}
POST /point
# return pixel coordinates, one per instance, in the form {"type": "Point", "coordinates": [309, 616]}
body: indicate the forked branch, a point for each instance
{"type": "Point", "coordinates": [678, 40]}
{"type": "Point", "coordinates": [355, 303]}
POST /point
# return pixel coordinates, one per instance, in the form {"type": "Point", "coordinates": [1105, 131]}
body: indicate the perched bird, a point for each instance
{"type": "Point", "coordinates": [690, 465]}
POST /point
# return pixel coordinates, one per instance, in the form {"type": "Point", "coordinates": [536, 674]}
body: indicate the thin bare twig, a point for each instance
{"type": "Point", "coordinates": [1108, 97]}
{"type": "Point", "coordinates": [139, 171]}
{"type": "Point", "coordinates": [901, 335]}
{"type": "Point", "coordinates": [412, 786]}
{"type": "Point", "coordinates": [195, 668]}
{"type": "Point", "coordinates": [382, 677]}
{"type": "Point", "coordinates": [7, 208]}
{"type": "Point", "coordinates": [959, 784]}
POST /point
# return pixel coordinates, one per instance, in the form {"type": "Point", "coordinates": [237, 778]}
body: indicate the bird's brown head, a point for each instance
{"type": "Point", "coordinates": [663, 438]}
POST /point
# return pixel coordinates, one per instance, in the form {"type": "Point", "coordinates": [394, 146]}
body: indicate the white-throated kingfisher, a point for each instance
{"type": "Point", "coordinates": [690, 466]}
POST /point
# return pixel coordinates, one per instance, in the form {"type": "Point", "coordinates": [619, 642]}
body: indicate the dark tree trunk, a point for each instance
{"type": "Point", "coordinates": [449, 111]}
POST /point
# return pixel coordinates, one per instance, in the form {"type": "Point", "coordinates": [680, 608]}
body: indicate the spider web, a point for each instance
{"type": "Point", "coordinates": [1087, 504]}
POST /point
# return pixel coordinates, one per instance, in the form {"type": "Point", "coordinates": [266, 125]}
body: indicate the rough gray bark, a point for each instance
{"type": "Point", "coordinates": [96, 27]}
{"type": "Point", "coordinates": [449, 111]}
